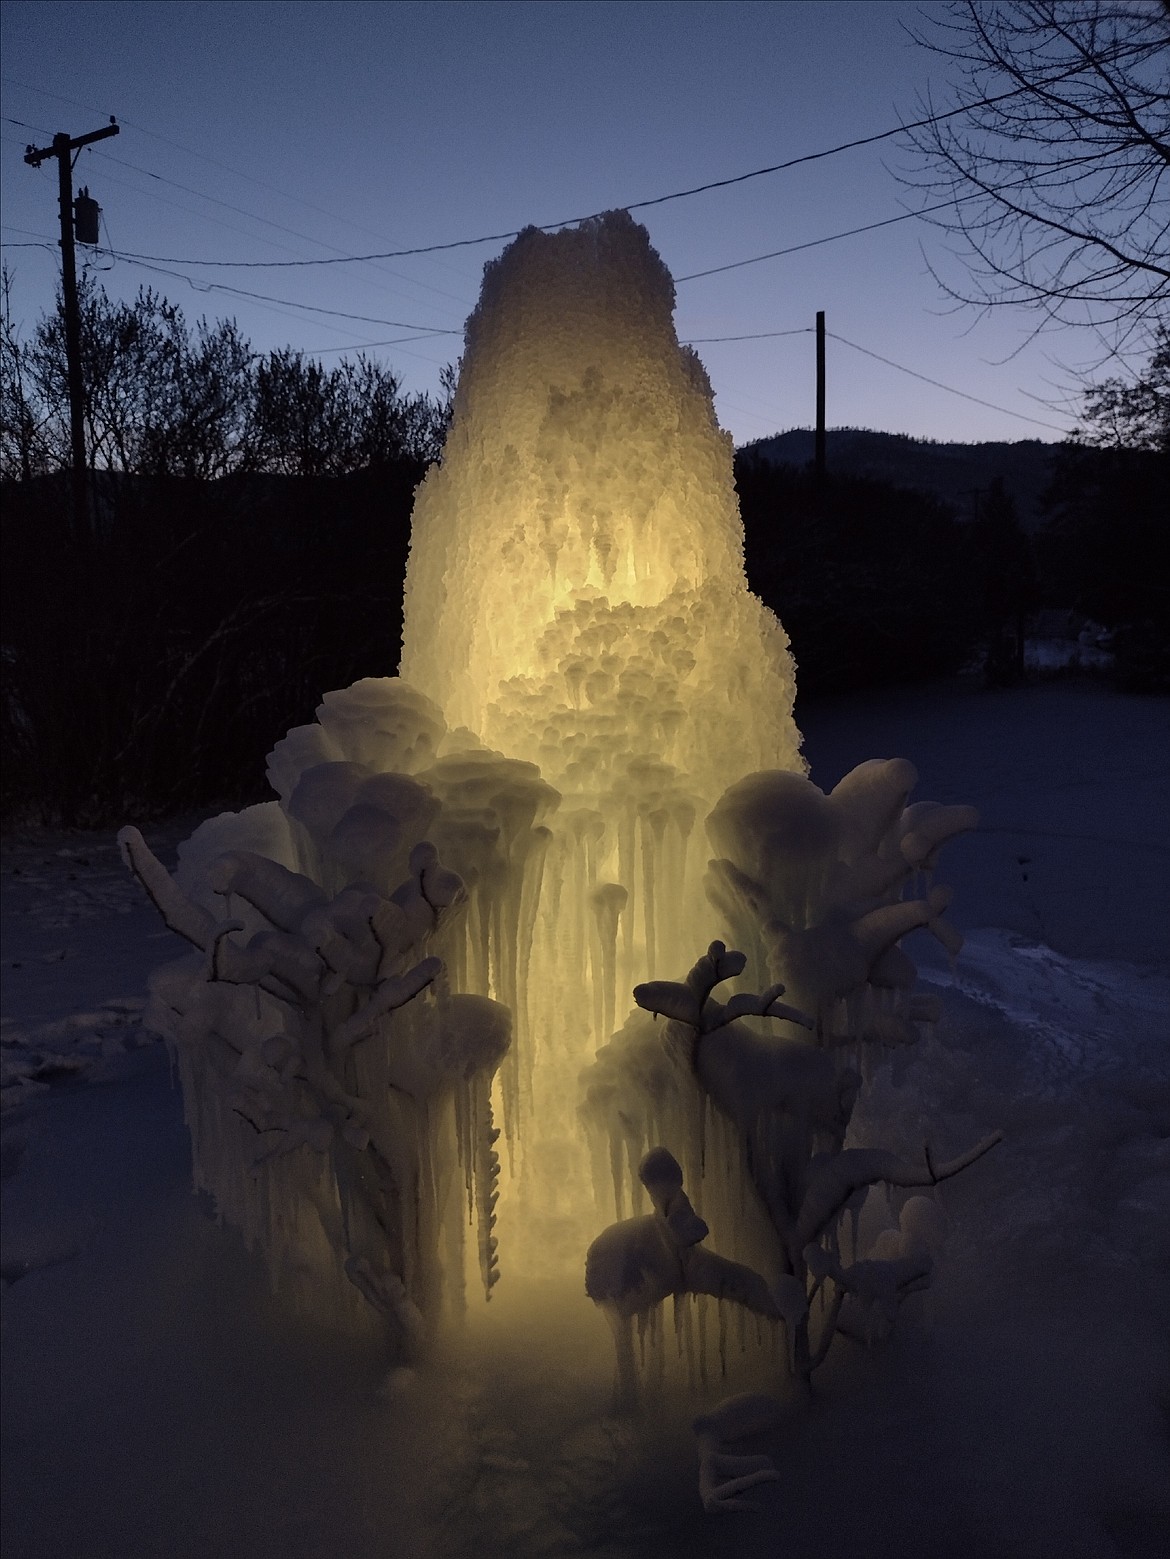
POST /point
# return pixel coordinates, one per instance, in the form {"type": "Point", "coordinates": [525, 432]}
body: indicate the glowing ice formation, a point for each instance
{"type": "Point", "coordinates": [575, 593]}
{"type": "Point", "coordinates": [576, 598]}
{"type": "Point", "coordinates": [330, 1109]}
{"type": "Point", "coordinates": [469, 868]}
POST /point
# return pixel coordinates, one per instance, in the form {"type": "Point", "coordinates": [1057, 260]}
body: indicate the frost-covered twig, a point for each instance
{"type": "Point", "coordinates": [691, 1003]}
{"type": "Point", "coordinates": [294, 1037]}
{"type": "Point", "coordinates": [635, 1264]}
{"type": "Point", "coordinates": [834, 1181]}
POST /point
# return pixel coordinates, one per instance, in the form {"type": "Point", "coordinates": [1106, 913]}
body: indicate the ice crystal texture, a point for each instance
{"type": "Point", "coordinates": [576, 598]}
{"type": "Point", "coordinates": [589, 696]}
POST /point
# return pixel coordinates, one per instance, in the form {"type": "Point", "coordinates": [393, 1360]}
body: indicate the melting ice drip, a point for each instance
{"type": "Point", "coordinates": [470, 867]}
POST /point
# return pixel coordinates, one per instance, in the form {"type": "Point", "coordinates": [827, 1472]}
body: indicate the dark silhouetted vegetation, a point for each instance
{"type": "Point", "coordinates": [1007, 586]}
{"type": "Point", "coordinates": [871, 581]}
{"type": "Point", "coordinates": [1047, 151]}
{"type": "Point", "coordinates": [249, 524]}
{"type": "Point", "coordinates": [1103, 553]}
{"type": "Point", "coordinates": [245, 550]}
{"type": "Point", "coordinates": [1102, 549]}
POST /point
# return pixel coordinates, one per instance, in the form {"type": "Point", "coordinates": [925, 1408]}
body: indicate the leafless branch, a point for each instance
{"type": "Point", "coordinates": [1059, 191]}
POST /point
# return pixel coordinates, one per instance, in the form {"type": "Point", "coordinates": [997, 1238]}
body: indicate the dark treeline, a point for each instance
{"type": "Point", "coordinates": [248, 531]}
{"type": "Point", "coordinates": [868, 579]}
{"type": "Point", "coordinates": [247, 540]}
{"type": "Point", "coordinates": [878, 584]}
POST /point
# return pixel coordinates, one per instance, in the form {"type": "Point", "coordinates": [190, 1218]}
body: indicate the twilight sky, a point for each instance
{"type": "Point", "coordinates": [281, 131]}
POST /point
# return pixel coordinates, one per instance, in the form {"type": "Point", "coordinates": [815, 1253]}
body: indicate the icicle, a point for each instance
{"type": "Point", "coordinates": [626, 871]}
{"type": "Point", "coordinates": [608, 901]}
{"type": "Point", "coordinates": [456, 1283]}
{"type": "Point", "coordinates": [651, 828]}
{"type": "Point", "coordinates": [657, 1352]}
{"type": "Point", "coordinates": [633, 1159]}
{"type": "Point", "coordinates": [688, 1325]}
{"type": "Point", "coordinates": [617, 1171]}
{"type": "Point", "coordinates": [701, 1305]}
{"type": "Point", "coordinates": [465, 1138]}
{"type": "Point", "coordinates": [510, 1098]}
{"type": "Point", "coordinates": [486, 1184]}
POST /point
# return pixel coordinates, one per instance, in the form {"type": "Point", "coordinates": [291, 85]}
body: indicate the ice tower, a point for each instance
{"type": "Point", "coordinates": [576, 598]}
{"type": "Point", "coordinates": [474, 869]}
{"type": "Point", "coordinates": [575, 593]}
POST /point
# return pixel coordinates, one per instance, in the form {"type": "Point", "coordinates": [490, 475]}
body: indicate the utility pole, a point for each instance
{"type": "Point", "coordinates": [62, 149]}
{"type": "Point", "coordinates": [819, 446]}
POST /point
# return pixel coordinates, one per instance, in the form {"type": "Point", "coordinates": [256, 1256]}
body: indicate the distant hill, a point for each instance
{"type": "Point", "coordinates": [956, 473]}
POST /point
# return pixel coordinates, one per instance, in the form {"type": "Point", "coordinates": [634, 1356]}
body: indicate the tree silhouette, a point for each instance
{"type": "Point", "coordinates": [1131, 413]}
{"type": "Point", "coordinates": [1057, 183]}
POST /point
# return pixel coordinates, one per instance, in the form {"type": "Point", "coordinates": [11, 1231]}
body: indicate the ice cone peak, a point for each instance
{"type": "Point", "coordinates": [576, 589]}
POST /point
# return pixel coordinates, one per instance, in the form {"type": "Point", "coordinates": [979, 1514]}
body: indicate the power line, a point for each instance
{"type": "Point", "coordinates": [949, 388]}
{"type": "Point", "coordinates": [264, 297]}
{"type": "Point", "coordinates": [217, 200]}
{"type": "Point", "coordinates": [425, 331]}
{"type": "Point", "coordinates": [813, 243]}
{"type": "Point", "coordinates": [758, 335]}
{"type": "Point", "coordinates": [190, 151]}
{"type": "Point", "coordinates": [850, 232]}
{"type": "Point", "coordinates": [366, 346]}
{"type": "Point", "coordinates": [20, 124]}
{"type": "Point", "coordinates": [637, 205]}
{"type": "Point", "coordinates": [806, 330]}
{"type": "Point", "coordinates": [251, 215]}
{"type": "Point", "coordinates": [232, 226]}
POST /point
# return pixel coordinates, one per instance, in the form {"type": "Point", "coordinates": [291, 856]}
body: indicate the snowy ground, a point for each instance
{"type": "Point", "coordinates": [158, 1402]}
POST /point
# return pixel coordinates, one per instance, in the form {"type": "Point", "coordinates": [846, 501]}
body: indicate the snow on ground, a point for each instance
{"type": "Point", "coordinates": [158, 1402]}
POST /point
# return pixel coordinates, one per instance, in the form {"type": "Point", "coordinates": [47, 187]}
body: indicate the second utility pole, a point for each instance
{"type": "Point", "coordinates": [62, 149]}
{"type": "Point", "coordinates": [819, 444]}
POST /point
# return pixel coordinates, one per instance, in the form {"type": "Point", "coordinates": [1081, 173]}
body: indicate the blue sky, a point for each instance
{"type": "Point", "coordinates": [281, 131]}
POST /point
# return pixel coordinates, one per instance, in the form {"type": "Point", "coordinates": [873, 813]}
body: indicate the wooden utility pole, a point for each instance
{"type": "Point", "coordinates": [62, 149]}
{"type": "Point", "coordinates": [819, 446]}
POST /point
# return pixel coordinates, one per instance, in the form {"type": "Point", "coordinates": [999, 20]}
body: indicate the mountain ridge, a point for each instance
{"type": "Point", "coordinates": [957, 473]}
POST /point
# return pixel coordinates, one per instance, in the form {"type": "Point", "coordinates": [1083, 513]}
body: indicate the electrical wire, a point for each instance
{"type": "Point", "coordinates": [814, 243]}
{"type": "Point", "coordinates": [938, 384]}
{"type": "Point", "coordinates": [637, 205]}
{"type": "Point", "coordinates": [808, 330]}
{"type": "Point", "coordinates": [699, 189]}
{"type": "Point", "coordinates": [217, 200]}
{"type": "Point", "coordinates": [757, 335]}
{"type": "Point", "coordinates": [760, 335]}
{"type": "Point", "coordinates": [264, 297]}
{"type": "Point", "coordinates": [429, 334]}
{"type": "Point", "coordinates": [255, 217]}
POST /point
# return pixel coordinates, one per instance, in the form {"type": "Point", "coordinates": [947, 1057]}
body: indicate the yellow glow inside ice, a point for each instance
{"type": "Point", "coordinates": [576, 598]}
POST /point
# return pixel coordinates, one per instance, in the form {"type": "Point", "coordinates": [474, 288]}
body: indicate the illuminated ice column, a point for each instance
{"type": "Point", "coordinates": [585, 468]}
{"type": "Point", "coordinates": [575, 596]}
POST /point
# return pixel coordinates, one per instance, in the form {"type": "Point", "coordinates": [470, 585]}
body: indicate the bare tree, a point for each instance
{"type": "Point", "coordinates": [1131, 412]}
{"type": "Point", "coordinates": [23, 449]}
{"type": "Point", "coordinates": [1056, 176]}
